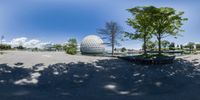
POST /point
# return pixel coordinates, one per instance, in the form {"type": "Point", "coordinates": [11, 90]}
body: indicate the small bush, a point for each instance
{"type": "Point", "coordinates": [5, 47]}
{"type": "Point", "coordinates": [71, 47]}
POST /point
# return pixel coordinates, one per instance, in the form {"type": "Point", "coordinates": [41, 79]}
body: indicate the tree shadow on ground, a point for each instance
{"type": "Point", "coordinates": [105, 79]}
{"type": "Point", "coordinates": [155, 82]}
{"type": "Point", "coordinates": [8, 76]}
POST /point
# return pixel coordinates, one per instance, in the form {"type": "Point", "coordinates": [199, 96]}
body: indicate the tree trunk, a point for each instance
{"type": "Point", "coordinates": [112, 49]}
{"type": "Point", "coordinates": [159, 45]}
{"type": "Point", "coordinates": [145, 46]}
{"type": "Point", "coordinates": [113, 42]}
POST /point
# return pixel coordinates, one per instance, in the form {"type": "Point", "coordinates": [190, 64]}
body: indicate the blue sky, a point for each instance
{"type": "Point", "coordinates": [58, 20]}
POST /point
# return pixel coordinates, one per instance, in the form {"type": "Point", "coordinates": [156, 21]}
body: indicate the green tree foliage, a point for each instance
{"type": "Point", "coordinates": [2, 46]}
{"type": "Point", "coordinates": [115, 49]}
{"type": "Point", "coordinates": [5, 47]}
{"type": "Point", "coordinates": [198, 46]}
{"type": "Point", "coordinates": [190, 45]}
{"type": "Point", "coordinates": [71, 46]}
{"type": "Point", "coordinates": [165, 44]}
{"type": "Point", "coordinates": [151, 45]}
{"type": "Point", "coordinates": [178, 47]}
{"type": "Point", "coordinates": [123, 49]}
{"type": "Point", "coordinates": [140, 22]}
{"type": "Point", "coordinates": [20, 47]}
{"type": "Point", "coordinates": [58, 47]}
{"type": "Point", "coordinates": [172, 46]}
{"type": "Point", "coordinates": [112, 33]}
{"type": "Point", "coordinates": [166, 21]}
{"type": "Point", "coordinates": [161, 22]}
{"type": "Point", "coordinates": [181, 47]}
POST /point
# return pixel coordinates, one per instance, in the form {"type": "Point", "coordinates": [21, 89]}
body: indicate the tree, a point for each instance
{"type": "Point", "coordinates": [172, 46]}
{"type": "Point", "coordinates": [5, 47]}
{"type": "Point", "coordinates": [112, 32]}
{"type": "Point", "coordinates": [178, 47]}
{"type": "Point", "coordinates": [181, 46]}
{"type": "Point", "coordinates": [166, 21]}
{"type": "Point", "coordinates": [115, 49]}
{"type": "Point", "coordinates": [123, 49]}
{"type": "Point", "coordinates": [58, 47]}
{"type": "Point", "coordinates": [151, 45]}
{"type": "Point", "coordinates": [2, 37]}
{"type": "Point", "coordinates": [141, 23]}
{"type": "Point", "coordinates": [71, 46]}
{"type": "Point", "coordinates": [165, 44]}
{"type": "Point", "coordinates": [20, 47]}
{"type": "Point", "coordinates": [198, 46]}
{"type": "Point", "coordinates": [190, 45]}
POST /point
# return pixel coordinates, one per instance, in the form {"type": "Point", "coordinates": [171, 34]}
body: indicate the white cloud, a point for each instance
{"type": "Point", "coordinates": [32, 43]}
{"type": "Point", "coordinates": [28, 43]}
{"type": "Point", "coordinates": [43, 45]}
{"type": "Point", "coordinates": [18, 41]}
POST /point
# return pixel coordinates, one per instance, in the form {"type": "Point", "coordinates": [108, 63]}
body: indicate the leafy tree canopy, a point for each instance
{"type": "Point", "coordinates": [160, 22]}
{"type": "Point", "coordinates": [198, 46]}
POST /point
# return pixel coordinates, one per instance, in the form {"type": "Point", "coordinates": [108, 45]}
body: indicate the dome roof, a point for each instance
{"type": "Point", "coordinates": [92, 44]}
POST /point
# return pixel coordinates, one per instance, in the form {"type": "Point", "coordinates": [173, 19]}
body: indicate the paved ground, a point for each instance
{"type": "Point", "coordinates": [29, 58]}
{"type": "Point", "coordinates": [68, 77]}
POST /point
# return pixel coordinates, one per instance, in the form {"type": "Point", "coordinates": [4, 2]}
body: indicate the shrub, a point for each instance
{"type": "Point", "coordinates": [71, 46]}
{"type": "Point", "coordinates": [172, 46]}
{"type": "Point", "coordinates": [58, 47]}
{"type": "Point", "coordinates": [198, 46]}
{"type": "Point", "coordinates": [5, 47]}
{"type": "Point", "coordinates": [123, 49]}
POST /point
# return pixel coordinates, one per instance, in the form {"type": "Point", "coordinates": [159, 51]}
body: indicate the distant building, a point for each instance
{"type": "Point", "coordinates": [49, 47]}
{"type": "Point", "coordinates": [133, 51]}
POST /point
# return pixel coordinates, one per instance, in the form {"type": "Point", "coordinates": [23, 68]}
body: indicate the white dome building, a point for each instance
{"type": "Point", "coordinates": [92, 44]}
